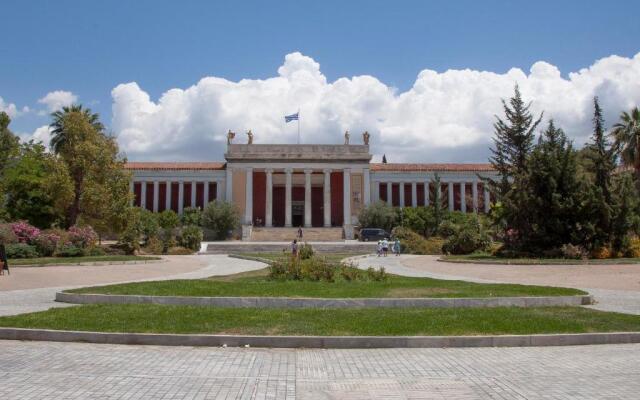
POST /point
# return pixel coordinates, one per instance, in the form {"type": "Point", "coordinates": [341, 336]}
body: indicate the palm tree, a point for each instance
{"type": "Point", "coordinates": [58, 132]}
{"type": "Point", "coordinates": [627, 138]}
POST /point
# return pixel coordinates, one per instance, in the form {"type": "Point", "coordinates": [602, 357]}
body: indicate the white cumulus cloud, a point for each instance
{"type": "Point", "coordinates": [57, 99]}
{"type": "Point", "coordinates": [444, 116]}
{"type": "Point", "coordinates": [9, 108]}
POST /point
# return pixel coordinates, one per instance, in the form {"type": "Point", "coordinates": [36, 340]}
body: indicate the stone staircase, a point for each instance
{"type": "Point", "coordinates": [261, 234]}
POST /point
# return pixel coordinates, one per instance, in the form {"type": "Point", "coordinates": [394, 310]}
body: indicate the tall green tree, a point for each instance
{"type": "Point", "coordinates": [9, 149]}
{"type": "Point", "coordinates": [100, 184]}
{"type": "Point", "coordinates": [626, 134]}
{"type": "Point", "coordinates": [601, 165]}
{"type": "Point", "coordinates": [513, 141]}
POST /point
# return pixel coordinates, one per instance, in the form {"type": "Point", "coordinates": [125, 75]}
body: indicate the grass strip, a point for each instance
{"type": "Point", "coordinates": [258, 284]}
{"type": "Point", "coordinates": [146, 318]}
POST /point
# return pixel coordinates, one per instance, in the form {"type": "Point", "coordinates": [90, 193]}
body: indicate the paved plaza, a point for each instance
{"type": "Point", "coordinates": [45, 370]}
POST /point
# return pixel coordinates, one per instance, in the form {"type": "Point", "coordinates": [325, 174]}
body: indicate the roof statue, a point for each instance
{"type": "Point", "coordinates": [346, 137]}
{"type": "Point", "coordinates": [365, 137]}
{"type": "Point", "coordinates": [230, 136]}
{"type": "Point", "coordinates": [249, 137]}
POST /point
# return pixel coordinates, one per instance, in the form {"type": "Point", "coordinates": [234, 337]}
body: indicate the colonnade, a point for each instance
{"type": "Point", "coordinates": [426, 187]}
{"type": "Point", "coordinates": [155, 186]}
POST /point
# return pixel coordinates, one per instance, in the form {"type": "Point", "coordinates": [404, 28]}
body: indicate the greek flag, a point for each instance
{"type": "Point", "coordinates": [292, 117]}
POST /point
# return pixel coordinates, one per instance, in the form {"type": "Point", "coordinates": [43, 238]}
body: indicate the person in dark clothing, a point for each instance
{"type": "Point", "coordinates": [3, 260]}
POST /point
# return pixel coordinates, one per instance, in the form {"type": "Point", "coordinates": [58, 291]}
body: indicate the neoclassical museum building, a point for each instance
{"type": "Point", "coordinates": [291, 185]}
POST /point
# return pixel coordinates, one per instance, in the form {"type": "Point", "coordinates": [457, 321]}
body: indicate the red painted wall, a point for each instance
{"type": "Point", "coordinates": [175, 196]}
{"type": "Point", "coordinates": [149, 196]}
{"type": "Point", "coordinates": [162, 193]}
{"type": "Point", "coordinates": [317, 206]}
{"type": "Point", "coordinates": [383, 193]}
{"type": "Point", "coordinates": [278, 205]}
{"type": "Point", "coordinates": [259, 196]}
{"type": "Point", "coordinates": [420, 189]}
{"type": "Point", "coordinates": [200, 195]}
{"type": "Point", "coordinates": [407, 195]}
{"type": "Point", "coordinates": [213, 191]}
{"type": "Point", "coordinates": [186, 195]}
{"type": "Point", "coordinates": [395, 195]}
{"type": "Point", "coordinates": [137, 193]}
{"type": "Point", "coordinates": [337, 211]}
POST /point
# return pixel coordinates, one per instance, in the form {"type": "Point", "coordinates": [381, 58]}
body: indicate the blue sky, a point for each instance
{"type": "Point", "coordinates": [90, 47]}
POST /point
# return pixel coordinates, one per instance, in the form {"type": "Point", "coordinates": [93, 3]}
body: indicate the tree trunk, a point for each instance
{"type": "Point", "coordinates": [74, 210]}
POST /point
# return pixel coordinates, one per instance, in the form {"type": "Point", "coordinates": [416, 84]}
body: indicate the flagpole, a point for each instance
{"type": "Point", "coordinates": [298, 125]}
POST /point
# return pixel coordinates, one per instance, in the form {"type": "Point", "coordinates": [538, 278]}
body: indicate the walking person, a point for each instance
{"type": "Point", "coordinates": [396, 247]}
{"type": "Point", "coordinates": [294, 249]}
{"type": "Point", "coordinates": [385, 247]}
{"type": "Point", "coordinates": [300, 233]}
{"type": "Point", "coordinates": [4, 264]}
{"type": "Point", "coordinates": [379, 248]}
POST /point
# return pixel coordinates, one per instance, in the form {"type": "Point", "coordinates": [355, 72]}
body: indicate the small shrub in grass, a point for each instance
{"type": "Point", "coordinates": [154, 246]}
{"type": "Point", "coordinates": [317, 269]}
{"type": "Point", "coordinates": [6, 234]}
{"type": "Point", "coordinates": [305, 252]}
{"type": "Point", "coordinates": [601, 253]}
{"type": "Point", "coordinates": [179, 251]}
{"type": "Point", "coordinates": [21, 250]}
{"type": "Point", "coordinates": [191, 237]}
{"type": "Point", "coordinates": [377, 275]}
{"type": "Point", "coordinates": [278, 269]}
{"type": "Point", "coordinates": [220, 217]}
{"type": "Point", "coordinates": [168, 238]}
{"type": "Point", "coordinates": [70, 250]}
{"type": "Point", "coordinates": [446, 229]}
{"type": "Point", "coordinates": [413, 243]}
{"type": "Point", "coordinates": [574, 252]}
{"type": "Point", "coordinates": [349, 273]}
{"type": "Point", "coordinates": [634, 248]}
{"type": "Point", "coordinates": [95, 251]}
{"type": "Point", "coordinates": [467, 238]}
{"type": "Point", "coordinates": [191, 216]}
{"type": "Point", "coordinates": [168, 219]}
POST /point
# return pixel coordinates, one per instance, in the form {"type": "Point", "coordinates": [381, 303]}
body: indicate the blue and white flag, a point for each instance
{"type": "Point", "coordinates": [292, 117]}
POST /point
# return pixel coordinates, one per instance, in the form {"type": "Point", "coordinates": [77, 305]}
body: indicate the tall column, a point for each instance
{"type": "Point", "coordinates": [327, 197]}
{"type": "Point", "coordinates": [463, 196]}
{"type": "Point", "coordinates": [390, 193]}
{"type": "Point", "coordinates": [487, 198]}
{"type": "Point", "coordinates": [156, 195]}
{"type": "Point", "coordinates": [414, 194]}
{"type": "Point", "coordinates": [426, 192]}
{"type": "Point", "coordinates": [180, 197]}
{"type": "Point", "coordinates": [193, 194]}
{"type": "Point", "coordinates": [450, 187]}
{"type": "Point", "coordinates": [366, 186]}
{"type": "Point", "coordinates": [268, 208]}
{"type": "Point", "coordinates": [205, 199]}
{"type": "Point", "coordinates": [228, 184]}
{"type": "Point", "coordinates": [474, 194]}
{"type": "Point", "coordinates": [167, 195]}
{"type": "Point", "coordinates": [376, 192]}
{"type": "Point", "coordinates": [248, 197]}
{"type": "Point", "coordinates": [287, 198]}
{"type": "Point", "coordinates": [401, 188]}
{"type": "Point", "coordinates": [132, 191]}
{"type": "Point", "coordinates": [307, 198]}
{"type": "Point", "coordinates": [219, 190]}
{"type": "Point", "coordinates": [346, 190]}
{"type": "Point", "coordinates": [439, 193]}
{"type": "Point", "coordinates": [143, 194]}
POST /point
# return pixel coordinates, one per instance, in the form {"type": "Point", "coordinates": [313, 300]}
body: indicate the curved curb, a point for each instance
{"type": "Point", "coordinates": [288, 302]}
{"type": "Point", "coordinates": [93, 263]}
{"type": "Point", "coordinates": [328, 342]}
{"type": "Point", "coordinates": [568, 264]}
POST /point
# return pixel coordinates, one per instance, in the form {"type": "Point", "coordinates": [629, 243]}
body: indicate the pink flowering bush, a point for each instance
{"type": "Point", "coordinates": [47, 242]}
{"type": "Point", "coordinates": [82, 236]}
{"type": "Point", "coordinates": [24, 232]}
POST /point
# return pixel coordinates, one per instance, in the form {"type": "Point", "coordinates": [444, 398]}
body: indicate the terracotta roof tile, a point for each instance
{"type": "Point", "coordinates": [396, 167]}
{"type": "Point", "coordinates": [174, 166]}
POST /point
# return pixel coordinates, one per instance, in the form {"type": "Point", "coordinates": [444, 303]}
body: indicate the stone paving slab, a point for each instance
{"type": "Point", "coordinates": [46, 370]}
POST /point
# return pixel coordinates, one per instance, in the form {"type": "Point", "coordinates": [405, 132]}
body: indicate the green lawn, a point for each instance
{"type": "Point", "coordinates": [257, 283]}
{"type": "Point", "coordinates": [77, 260]}
{"type": "Point", "coordinates": [145, 318]}
{"type": "Point", "coordinates": [483, 258]}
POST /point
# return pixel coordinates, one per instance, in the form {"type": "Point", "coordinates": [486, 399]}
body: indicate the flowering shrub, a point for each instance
{"type": "Point", "coordinates": [6, 234]}
{"type": "Point", "coordinates": [24, 232]}
{"type": "Point", "coordinates": [82, 236]}
{"type": "Point", "coordinates": [47, 242]}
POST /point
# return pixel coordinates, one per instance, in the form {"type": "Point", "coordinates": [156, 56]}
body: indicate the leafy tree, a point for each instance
{"type": "Point", "coordinates": [513, 141]}
{"type": "Point", "coordinates": [168, 219]}
{"type": "Point", "coordinates": [100, 183]}
{"type": "Point", "coordinates": [36, 185]}
{"type": "Point", "coordinates": [626, 134]}
{"type": "Point", "coordinates": [624, 218]}
{"type": "Point", "coordinates": [220, 217]}
{"type": "Point", "coordinates": [378, 215]}
{"type": "Point", "coordinates": [9, 143]}
{"type": "Point", "coordinates": [191, 216]}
